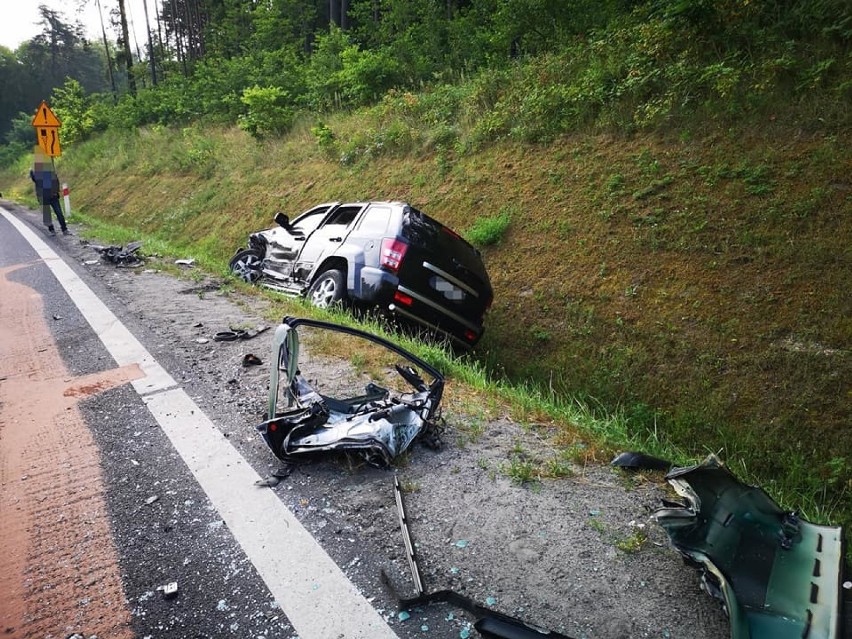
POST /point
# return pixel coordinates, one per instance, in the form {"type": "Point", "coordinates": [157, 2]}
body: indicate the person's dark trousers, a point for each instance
{"type": "Point", "coordinates": [59, 216]}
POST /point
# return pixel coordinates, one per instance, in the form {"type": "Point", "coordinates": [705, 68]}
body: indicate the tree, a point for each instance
{"type": "Point", "coordinates": [13, 81]}
{"type": "Point", "coordinates": [106, 51]}
{"type": "Point", "coordinates": [127, 56]}
{"type": "Point", "coordinates": [32, 72]}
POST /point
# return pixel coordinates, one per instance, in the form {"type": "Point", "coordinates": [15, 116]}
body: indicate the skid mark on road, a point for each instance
{"type": "Point", "coordinates": [59, 567]}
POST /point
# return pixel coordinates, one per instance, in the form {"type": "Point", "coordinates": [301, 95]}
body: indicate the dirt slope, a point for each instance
{"type": "Point", "coordinates": [700, 282]}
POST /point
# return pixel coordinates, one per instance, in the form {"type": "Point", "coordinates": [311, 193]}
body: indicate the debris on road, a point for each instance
{"type": "Point", "coordinates": [250, 359]}
{"type": "Point", "coordinates": [169, 590]}
{"type": "Point", "coordinates": [777, 575]}
{"type": "Point", "coordinates": [632, 460]}
{"type": "Point", "coordinates": [233, 334]}
{"type": "Point", "coordinates": [379, 424]}
{"type": "Point", "coordinates": [275, 477]}
{"type": "Point", "coordinates": [490, 623]}
{"type": "Point", "coordinates": [121, 256]}
{"type": "Point", "coordinates": [189, 262]}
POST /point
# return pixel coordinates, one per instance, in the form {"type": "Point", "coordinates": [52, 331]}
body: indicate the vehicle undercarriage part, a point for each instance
{"type": "Point", "coordinates": [489, 624]}
{"type": "Point", "coordinates": [379, 424]}
{"type": "Point", "coordinates": [777, 575]}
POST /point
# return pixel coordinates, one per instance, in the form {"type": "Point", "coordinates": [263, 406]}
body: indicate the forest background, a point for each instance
{"type": "Point", "coordinates": [662, 189]}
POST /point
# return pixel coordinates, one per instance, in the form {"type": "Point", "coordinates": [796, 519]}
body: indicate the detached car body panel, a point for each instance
{"type": "Point", "coordinates": [383, 254]}
{"type": "Point", "coordinates": [379, 423]}
{"type": "Point", "coordinates": [778, 576]}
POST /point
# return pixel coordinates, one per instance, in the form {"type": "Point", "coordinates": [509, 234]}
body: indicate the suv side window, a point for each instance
{"type": "Point", "coordinates": [308, 223]}
{"type": "Point", "coordinates": [343, 216]}
{"type": "Point", "coordinates": [375, 220]}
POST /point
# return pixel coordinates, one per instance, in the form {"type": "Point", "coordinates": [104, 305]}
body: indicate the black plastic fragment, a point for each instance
{"type": "Point", "coordinates": [632, 460]}
{"type": "Point", "coordinates": [495, 628]}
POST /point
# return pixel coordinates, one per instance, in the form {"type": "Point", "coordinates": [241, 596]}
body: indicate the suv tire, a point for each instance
{"type": "Point", "coordinates": [246, 265]}
{"type": "Point", "coordinates": [328, 289]}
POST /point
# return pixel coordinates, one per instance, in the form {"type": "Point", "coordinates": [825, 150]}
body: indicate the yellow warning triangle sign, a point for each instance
{"type": "Point", "coordinates": [45, 117]}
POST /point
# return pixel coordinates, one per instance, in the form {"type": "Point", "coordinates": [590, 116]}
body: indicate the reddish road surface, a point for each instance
{"type": "Point", "coordinates": [58, 568]}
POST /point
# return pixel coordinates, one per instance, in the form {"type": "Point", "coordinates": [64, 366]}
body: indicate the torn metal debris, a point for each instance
{"type": "Point", "coordinates": [379, 424]}
{"type": "Point", "coordinates": [169, 590]}
{"type": "Point", "coordinates": [777, 575]}
{"type": "Point", "coordinates": [233, 334]}
{"type": "Point", "coordinates": [122, 256]}
{"type": "Point", "coordinates": [250, 359]}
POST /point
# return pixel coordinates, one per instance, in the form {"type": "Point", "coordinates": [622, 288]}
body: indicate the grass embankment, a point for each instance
{"type": "Point", "coordinates": [692, 291]}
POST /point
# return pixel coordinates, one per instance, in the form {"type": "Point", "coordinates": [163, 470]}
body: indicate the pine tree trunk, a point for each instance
{"type": "Point", "coordinates": [128, 56]}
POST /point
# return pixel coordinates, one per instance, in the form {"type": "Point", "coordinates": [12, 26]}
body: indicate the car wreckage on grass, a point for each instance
{"type": "Point", "coordinates": [386, 256]}
{"type": "Point", "coordinates": [777, 575]}
{"type": "Point", "coordinates": [379, 423]}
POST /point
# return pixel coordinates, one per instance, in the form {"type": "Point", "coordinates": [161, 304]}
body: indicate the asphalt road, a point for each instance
{"type": "Point", "coordinates": [157, 515]}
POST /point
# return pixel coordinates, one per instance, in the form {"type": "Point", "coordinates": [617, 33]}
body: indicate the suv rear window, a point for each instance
{"type": "Point", "coordinates": [375, 220]}
{"type": "Point", "coordinates": [418, 228]}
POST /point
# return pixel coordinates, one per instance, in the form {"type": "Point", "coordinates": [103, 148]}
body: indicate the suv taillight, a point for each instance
{"type": "Point", "coordinates": [393, 251]}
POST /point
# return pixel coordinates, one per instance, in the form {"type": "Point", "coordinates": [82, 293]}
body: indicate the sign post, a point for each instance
{"type": "Point", "coordinates": [47, 125]}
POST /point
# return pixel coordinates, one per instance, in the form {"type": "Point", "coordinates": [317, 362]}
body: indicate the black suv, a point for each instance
{"type": "Point", "coordinates": [383, 254]}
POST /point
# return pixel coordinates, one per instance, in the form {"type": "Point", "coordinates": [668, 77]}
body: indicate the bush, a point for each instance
{"type": "Point", "coordinates": [489, 230]}
{"type": "Point", "coordinates": [73, 107]}
{"type": "Point", "coordinates": [366, 75]}
{"type": "Point", "coordinates": [324, 82]}
{"type": "Point", "coordinates": [267, 111]}
{"type": "Point", "coordinates": [10, 153]}
{"type": "Point", "coordinates": [325, 138]}
{"type": "Point", "coordinates": [21, 131]}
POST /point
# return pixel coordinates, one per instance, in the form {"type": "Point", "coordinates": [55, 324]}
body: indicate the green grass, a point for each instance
{"type": "Point", "coordinates": [489, 230]}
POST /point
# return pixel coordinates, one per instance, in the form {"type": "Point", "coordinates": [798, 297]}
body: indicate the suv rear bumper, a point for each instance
{"type": "Point", "coordinates": [380, 287]}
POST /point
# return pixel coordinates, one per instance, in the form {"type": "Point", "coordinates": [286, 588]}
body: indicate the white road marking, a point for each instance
{"type": "Point", "coordinates": [314, 594]}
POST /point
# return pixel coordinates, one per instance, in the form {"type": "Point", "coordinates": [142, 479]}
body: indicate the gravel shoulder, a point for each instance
{"type": "Point", "coordinates": [555, 553]}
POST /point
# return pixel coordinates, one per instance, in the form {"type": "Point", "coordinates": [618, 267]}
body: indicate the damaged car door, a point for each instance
{"type": "Point", "coordinates": [778, 576]}
{"type": "Point", "coordinates": [376, 414]}
{"type": "Point", "coordinates": [325, 240]}
{"type": "Point", "coordinates": [286, 242]}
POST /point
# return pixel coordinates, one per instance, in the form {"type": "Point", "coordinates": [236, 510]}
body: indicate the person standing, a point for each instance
{"type": "Point", "coordinates": [47, 191]}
